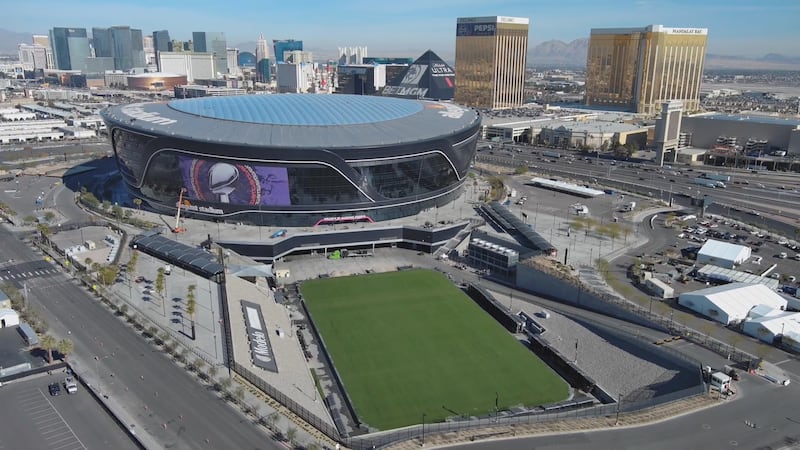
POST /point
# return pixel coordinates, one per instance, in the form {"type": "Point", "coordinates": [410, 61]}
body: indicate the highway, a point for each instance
{"type": "Point", "coordinates": [774, 195]}
{"type": "Point", "coordinates": [165, 400]}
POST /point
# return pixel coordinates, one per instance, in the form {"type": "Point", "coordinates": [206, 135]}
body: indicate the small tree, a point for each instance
{"type": "Point", "coordinates": [65, 347]}
{"type": "Point", "coordinates": [48, 343]}
{"type": "Point", "coordinates": [291, 435]}
{"type": "Point", "coordinates": [49, 216]}
{"type": "Point", "coordinates": [239, 394]}
{"type": "Point", "coordinates": [191, 306]}
{"type": "Point", "coordinates": [138, 203]}
{"type": "Point", "coordinates": [272, 419]}
{"type": "Point", "coordinates": [160, 280]}
{"type": "Point", "coordinates": [212, 371]}
{"type": "Point", "coordinates": [199, 364]}
{"type": "Point", "coordinates": [106, 204]}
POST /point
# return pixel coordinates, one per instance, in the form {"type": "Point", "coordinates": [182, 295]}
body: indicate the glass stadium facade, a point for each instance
{"type": "Point", "coordinates": [291, 186]}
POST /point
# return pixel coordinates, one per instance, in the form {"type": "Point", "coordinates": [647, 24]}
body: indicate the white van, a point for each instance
{"type": "Point", "coordinates": [167, 269]}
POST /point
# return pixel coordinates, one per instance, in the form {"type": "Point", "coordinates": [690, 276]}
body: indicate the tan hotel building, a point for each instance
{"type": "Point", "coordinates": [490, 61]}
{"type": "Point", "coordinates": [638, 69]}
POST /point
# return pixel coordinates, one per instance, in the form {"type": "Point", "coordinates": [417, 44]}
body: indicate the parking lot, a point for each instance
{"type": "Point", "coordinates": [772, 256]}
{"type": "Point", "coordinates": [32, 418]}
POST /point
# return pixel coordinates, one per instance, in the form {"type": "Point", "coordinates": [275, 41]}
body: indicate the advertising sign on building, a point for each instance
{"type": "Point", "coordinates": [257, 334]}
{"type": "Point", "coordinates": [476, 29]}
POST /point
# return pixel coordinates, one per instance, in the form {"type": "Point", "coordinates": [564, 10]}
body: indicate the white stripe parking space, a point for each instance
{"type": "Point", "coordinates": [55, 431]}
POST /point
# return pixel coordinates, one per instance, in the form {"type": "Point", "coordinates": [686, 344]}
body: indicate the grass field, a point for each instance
{"type": "Point", "coordinates": [410, 342]}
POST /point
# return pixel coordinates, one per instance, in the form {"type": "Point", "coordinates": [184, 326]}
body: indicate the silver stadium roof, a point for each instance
{"type": "Point", "coordinates": [296, 120]}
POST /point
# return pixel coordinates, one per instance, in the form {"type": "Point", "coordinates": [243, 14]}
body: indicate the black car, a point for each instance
{"type": "Point", "coordinates": [54, 389]}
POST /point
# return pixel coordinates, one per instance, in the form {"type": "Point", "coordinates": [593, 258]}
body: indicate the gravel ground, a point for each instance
{"type": "Point", "coordinates": [613, 368]}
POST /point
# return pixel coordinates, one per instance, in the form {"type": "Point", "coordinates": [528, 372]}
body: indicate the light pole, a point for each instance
{"type": "Point", "coordinates": [423, 430]}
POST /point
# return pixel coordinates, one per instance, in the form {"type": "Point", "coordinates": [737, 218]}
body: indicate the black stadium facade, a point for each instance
{"type": "Point", "coordinates": [293, 159]}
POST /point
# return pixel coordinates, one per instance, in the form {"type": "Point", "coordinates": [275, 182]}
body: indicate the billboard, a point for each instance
{"type": "Point", "coordinates": [234, 183]}
{"type": "Point", "coordinates": [476, 29]}
{"type": "Point", "coordinates": [257, 334]}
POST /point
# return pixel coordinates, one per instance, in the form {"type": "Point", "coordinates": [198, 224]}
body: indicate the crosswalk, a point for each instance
{"type": "Point", "coordinates": [22, 275]}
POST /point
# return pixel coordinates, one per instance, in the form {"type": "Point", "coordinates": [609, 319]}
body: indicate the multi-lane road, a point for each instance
{"type": "Point", "coordinates": [165, 400]}
{"type": "Point", "coordinates": [773, 195]}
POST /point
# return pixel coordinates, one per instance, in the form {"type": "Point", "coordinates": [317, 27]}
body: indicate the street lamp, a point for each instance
{"type": "Point", "coordinates": [423, 430]}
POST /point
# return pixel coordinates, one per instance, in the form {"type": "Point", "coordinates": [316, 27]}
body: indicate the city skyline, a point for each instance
{"type": "Point", "coordinates": [736, 27]}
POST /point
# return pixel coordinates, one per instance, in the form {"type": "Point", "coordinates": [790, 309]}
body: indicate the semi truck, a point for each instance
{"type": "Point", "coordinates": [706, 182]}
{"type": "Point", "coordinates": [551, 154]}
{"type": "Point", "coordinates": [630, 206]}
{"type": "Point", "coordinates": [717, 177]}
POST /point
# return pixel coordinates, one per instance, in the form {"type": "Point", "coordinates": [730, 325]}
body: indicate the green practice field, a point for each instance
{"type": "Point", "coordinates": [410, 342]}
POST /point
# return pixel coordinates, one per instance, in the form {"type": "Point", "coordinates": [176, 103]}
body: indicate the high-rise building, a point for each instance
{"type": "Point", "coordinates": [294, 78]}
{"type": "Point", "coordinates": [70, 48]}
{"type": "Point", "coordinates": [214, 43]}
{"type": "Point", "coordinates": [262, 54]}
{"type": "Point", "coordinates": [352, 55]}
{"type": "Point", "coordinates": [161, 41]}
{"type": "Point", "coordinates": [102, 43]}
{"type": "Point", "coordinates": [490, 61]}
{"type": "Point", "coordinates": [149, 49]}
{"type": "Point", "coordinates": [233, 61]}
{"type": "Point", "coordinates": [638, 69]}
{"type": "Point", "coordinates": [32, 56]}
{"type": "Point", "coordinates": [281, 46]}
{"type": "Point", "coordinates": [123, 43]}
{"type": "Point", "coordinates": [44, 41]}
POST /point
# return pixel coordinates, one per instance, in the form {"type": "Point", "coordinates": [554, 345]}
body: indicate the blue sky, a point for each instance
{"type": "Point", "coordinates": [409, 27]}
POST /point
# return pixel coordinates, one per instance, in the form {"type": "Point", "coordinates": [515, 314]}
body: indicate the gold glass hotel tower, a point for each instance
{"type": "Point", "coordinates": [638, 69]}
{"type": "Point", "coordinates": [490, 61]}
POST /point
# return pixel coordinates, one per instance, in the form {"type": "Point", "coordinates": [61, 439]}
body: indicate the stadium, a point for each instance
{"type": "Point", "coordinates": [293, 160]}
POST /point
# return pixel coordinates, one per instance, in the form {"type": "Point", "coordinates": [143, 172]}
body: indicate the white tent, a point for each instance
{"type": "Point", "coordinates": [722, 254]}
{"type": "Point", "coordinates": [8, 317]}
{"type": "Point", "coordinates": [768, 327]}
{"type": "Point", "coordinates": [731, 303]}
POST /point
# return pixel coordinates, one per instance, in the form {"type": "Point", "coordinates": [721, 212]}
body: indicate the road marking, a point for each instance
{"type": "Point", "coordinates": [62, 419]}
{"type": "Point", "coordinates": [781, 362]}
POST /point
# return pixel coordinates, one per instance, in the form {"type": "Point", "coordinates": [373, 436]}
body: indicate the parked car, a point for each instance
{"type": "Point", "coordinates": [54, 389]}
{"type": "Point", "coordinates": [70, 385]}
{"type": "Point", "coordinates": [139, 279]}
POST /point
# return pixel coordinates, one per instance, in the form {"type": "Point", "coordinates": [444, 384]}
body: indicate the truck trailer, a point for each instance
{"type": "Point", "coordinates": [716, 177]}
{"type": "Point", "coordinates": [705, 182]}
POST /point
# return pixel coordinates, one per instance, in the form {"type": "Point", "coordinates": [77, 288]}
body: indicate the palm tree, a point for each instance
{"type": "Point", "coordinates": [291, 435]}
{"type": "Point", "coordinates": [191, 306]}
{"type": "Point", "coordinates": [65, 347]}
{"type": "Point", "coordinates": [272, 419]}
{"type": "Point", "coordinates": [48, 343]}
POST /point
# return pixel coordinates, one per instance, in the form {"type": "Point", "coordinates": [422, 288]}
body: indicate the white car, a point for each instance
{"type": "Point", "coordinates": [70, 385]}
